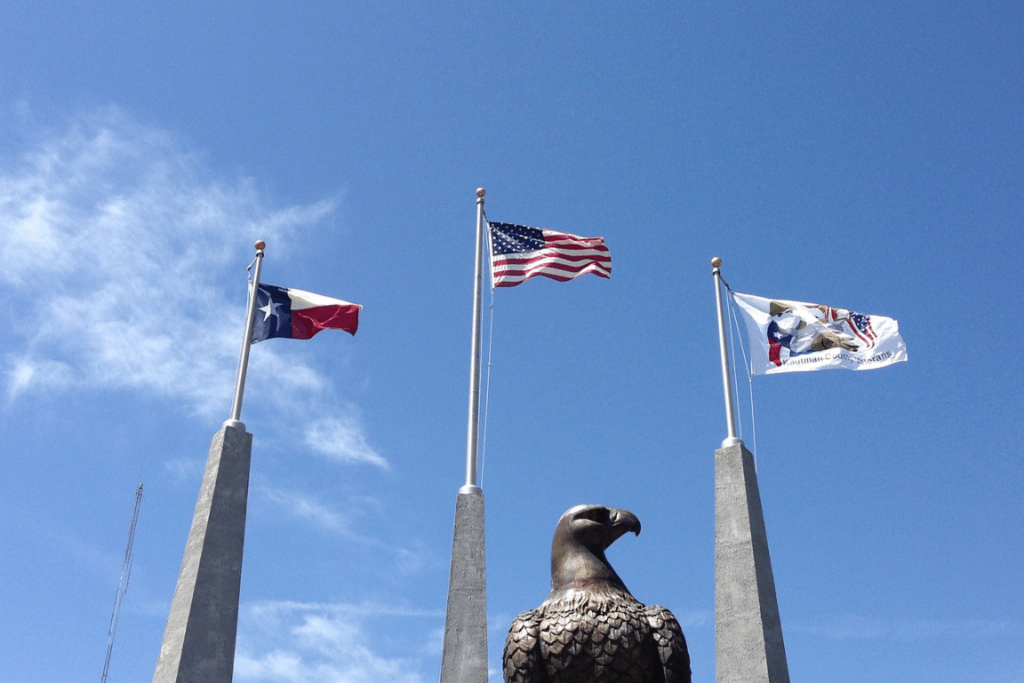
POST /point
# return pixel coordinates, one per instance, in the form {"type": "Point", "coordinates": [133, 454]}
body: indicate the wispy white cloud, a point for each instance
{"type": "Point", "coordinates": [184, 469]}
{"type": "Point", "coordinates": [306, 507]}
{"type": "Point", "coordinates": [342, 438]}
{"type": "Point", "coordinates": [860, 627]}
{"type": "Point", "coordinates": [284, 641]}
{"type": "Point", "coordinates": [26, 372]}
{"type": "Point", "coordinates": [344, 523]}
{"type": "Point", "coordinates": [120, 264]}
{"type": "Point", "coordinates": [695, 618]}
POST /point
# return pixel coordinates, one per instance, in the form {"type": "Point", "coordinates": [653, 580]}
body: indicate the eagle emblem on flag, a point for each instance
{"type": "Point", "coordinates": [789, 336]}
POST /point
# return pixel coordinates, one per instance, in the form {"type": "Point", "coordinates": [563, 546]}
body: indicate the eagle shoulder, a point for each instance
{"type": "Point", "coordinates": [521, 660]}
{"type": "Point", "coordinates": [582, 637]}
{"type": "Point", "coordinates": [670, 643]}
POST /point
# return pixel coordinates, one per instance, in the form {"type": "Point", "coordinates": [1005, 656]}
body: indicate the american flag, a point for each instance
{"type": "Point", "coordinates": [518, 253]}
{"type": "Point", "coordinates": [861, 326]}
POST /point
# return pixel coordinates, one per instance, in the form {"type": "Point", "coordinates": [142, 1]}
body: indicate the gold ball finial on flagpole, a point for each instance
{"type": "Point", "coordinates": [716, 262]}
{"type": "Point", "coordinates": [260, 245]}
{"type": "Point", "coordinates": [480, 192]}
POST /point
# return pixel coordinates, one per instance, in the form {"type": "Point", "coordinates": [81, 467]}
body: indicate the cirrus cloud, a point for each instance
{"type": "Point", "coordinates": [294, 642]}
{"type": "Point", "coordinates": [122, 269]}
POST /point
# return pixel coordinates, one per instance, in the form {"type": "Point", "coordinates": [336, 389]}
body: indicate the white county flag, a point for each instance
{"type": "Point", "coordinates": [793, 336]}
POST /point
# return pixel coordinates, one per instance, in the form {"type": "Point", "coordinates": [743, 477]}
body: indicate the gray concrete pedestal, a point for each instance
{"type": "Point", "coordinates": [748, 631]}
{"type": "Point", "coordinates": [464, 658]}
{"type": "Point", "coordinates": [199, 642]}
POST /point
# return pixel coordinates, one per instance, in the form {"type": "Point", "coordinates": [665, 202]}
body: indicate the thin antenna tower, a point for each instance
{"type": "Point", "coordinates": [122, 585]}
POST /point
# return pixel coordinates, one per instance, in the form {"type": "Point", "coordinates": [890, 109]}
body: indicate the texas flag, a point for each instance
{"type": "Point", "coordinates": [295, 314]}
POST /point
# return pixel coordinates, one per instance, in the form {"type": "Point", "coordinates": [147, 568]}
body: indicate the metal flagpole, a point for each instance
{"type": "Point", "coordinates": [464, 653]}
{"type": "Point", "coordinates": [472, 432]}
{"type": "Point", "coordinates": [243, 361]}
{"type": "Point", "coordinates": [202, 624]}
{"type": "Point", "coordinates": [749, 647]}
{"type": "Point", "coordinates": [732, 439]}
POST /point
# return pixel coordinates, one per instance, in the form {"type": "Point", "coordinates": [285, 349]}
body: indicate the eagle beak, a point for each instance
{"type": "Point", "coordinates": [625, 520]}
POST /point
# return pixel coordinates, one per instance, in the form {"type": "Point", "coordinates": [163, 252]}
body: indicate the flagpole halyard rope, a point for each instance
{"type": "Point", "coordinates": [487, 390]}
{"type": "Point", "coordinates": [737, 332]}
{"type": "Point", "coordinates": [490, 348]}
{"type": "Point", "coordinates": [732, 345]}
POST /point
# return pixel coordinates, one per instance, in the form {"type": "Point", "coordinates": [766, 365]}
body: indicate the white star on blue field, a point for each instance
{"type": "Point", "coordinates": [270, 310]}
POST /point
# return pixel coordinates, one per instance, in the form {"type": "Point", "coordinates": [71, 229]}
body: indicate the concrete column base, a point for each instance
{"type": "Point", "coordinates": [748, 631]}
{"type": "Point", "coordinates": [199, 642]}
{"type": "Point", "coordinates": [464, 658]}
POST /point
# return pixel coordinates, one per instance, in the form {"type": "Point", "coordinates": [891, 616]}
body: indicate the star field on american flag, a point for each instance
{"type": "Point", "coordinates": [519, 252]}
{"type": "Point", "coordinates": [511, 239]}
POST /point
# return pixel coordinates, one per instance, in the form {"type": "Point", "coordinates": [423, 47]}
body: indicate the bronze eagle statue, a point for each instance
{"type": "Point", "coordinates": [591, 629]}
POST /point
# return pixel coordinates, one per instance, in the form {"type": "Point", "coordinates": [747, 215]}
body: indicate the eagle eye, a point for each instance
{"type": "Point", "coordinates": [599, 515]}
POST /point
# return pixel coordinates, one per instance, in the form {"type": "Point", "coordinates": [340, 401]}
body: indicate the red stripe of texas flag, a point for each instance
{"type": "Point", "coordinates": [314, 312]}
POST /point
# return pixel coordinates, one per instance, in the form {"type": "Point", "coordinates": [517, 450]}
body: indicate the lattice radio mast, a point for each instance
{"type": "Point", "coordinates": [122, 585]}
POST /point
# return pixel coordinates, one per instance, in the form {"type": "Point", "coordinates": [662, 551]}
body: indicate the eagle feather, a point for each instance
{"type": "Point", "coordinates": [591, 629]}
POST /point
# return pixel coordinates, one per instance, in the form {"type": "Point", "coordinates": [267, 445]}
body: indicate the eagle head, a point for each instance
{"type": "Point", "coordinates": [577, 550]}
{"type": "Point", "coordinates": [591, 629]}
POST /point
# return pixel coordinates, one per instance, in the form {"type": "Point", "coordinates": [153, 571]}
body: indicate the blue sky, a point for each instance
{"type": "Point", "coordinates": [861, 155]}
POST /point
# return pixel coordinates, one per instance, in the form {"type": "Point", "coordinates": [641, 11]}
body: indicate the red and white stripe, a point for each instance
{"type": "Point", "coordinates": [562, 258]}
